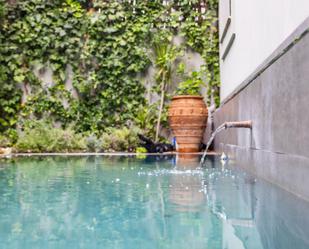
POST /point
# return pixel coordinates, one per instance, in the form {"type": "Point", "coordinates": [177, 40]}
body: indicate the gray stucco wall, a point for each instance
{"type": "Point", "coordinates": [276, 99]}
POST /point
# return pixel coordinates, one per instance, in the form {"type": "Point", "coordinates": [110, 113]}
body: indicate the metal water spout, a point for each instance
{"type": "Point", "coordinates": [238, 124]}
{"type": "Point", "coordinates": [224, 126]}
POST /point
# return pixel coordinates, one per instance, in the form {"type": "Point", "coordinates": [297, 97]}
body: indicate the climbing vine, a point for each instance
{"type": "Point", "coordinates": [96, 51]}
{"type": "Point", "coordinates": [201, 31]}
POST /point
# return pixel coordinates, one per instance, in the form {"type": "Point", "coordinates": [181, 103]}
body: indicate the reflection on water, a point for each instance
{"type": "Point", "coordinates": [156, 202]}
{"type": "Point", "coordinates": [186, 191]}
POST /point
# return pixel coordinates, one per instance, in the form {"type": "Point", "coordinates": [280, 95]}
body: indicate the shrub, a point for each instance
{"type": "Point", "coordinates": [145, 119]}
{"type": "Point", "coordinates": [42, 136]}
{"type": "Point", "coordinates": [120, 139]}
{"type": "Point", "coordinates": [5, 141]}
{"type": "Point", "coordinates": [141, 150]}
{"type": "Point", "coordinates": [192, 85]}
{"type": "Point", "coordinates": [93, 143]}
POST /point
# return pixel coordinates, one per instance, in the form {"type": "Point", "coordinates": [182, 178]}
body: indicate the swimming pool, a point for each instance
{"type": "Point", "coordinates": [152, 202]}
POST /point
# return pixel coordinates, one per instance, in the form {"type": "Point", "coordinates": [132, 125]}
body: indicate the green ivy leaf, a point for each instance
{"type": "Point", "coordinates": [19, 78]}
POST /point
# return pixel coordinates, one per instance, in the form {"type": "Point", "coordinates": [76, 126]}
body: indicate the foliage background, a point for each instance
{"type": "Point", "coordinates": [106, 45]}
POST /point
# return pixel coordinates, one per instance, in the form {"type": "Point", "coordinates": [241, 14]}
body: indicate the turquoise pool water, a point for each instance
{"type": "Point", "coordinates": [122, 202]}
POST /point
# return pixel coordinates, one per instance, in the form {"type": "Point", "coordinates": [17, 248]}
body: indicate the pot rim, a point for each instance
{"type": "Point", "coordinates": [188, 97]}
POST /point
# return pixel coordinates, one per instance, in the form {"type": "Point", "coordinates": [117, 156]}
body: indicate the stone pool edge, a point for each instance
{"type": "Point", "coordinates": [104, 154]}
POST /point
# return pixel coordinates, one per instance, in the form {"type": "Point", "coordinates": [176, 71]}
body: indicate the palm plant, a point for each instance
{"type": "Point", "coordinates": [165, 55]}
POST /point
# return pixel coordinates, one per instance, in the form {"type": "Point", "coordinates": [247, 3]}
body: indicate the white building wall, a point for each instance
{"type": "Point", "coordinates": [260, 26]}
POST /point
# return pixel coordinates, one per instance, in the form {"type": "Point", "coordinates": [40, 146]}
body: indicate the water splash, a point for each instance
{"type": "Point", "coordinates": [160, 172]}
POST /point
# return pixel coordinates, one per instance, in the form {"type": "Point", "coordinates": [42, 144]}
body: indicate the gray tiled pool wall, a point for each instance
{"type": "Point", "coordinates": [276, 99]}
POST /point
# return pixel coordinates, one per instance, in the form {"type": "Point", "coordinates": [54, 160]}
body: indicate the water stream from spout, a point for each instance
{"type": "Point", "coordinates": [212, 137]}
{"type": "Point", "coordinates": [226, 125]}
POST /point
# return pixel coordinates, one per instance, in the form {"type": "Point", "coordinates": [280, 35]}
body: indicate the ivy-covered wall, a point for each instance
{"type": "Point", "coordinates": [94, 53]}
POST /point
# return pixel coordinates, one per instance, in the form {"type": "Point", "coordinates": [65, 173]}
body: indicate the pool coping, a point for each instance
{"type": "Point", "coordinates": [104, 154]}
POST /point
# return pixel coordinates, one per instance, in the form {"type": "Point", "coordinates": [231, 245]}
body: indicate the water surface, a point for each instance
{"type": "Point", "coordinates": [126, 202]}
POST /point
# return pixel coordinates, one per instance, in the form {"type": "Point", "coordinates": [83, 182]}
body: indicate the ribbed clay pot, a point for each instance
{"type": "Point", "coordinates": [188, 119]}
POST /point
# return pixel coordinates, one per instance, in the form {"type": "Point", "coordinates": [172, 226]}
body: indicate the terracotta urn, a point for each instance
{"type": "Point", "coordinates": [188, 119]}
